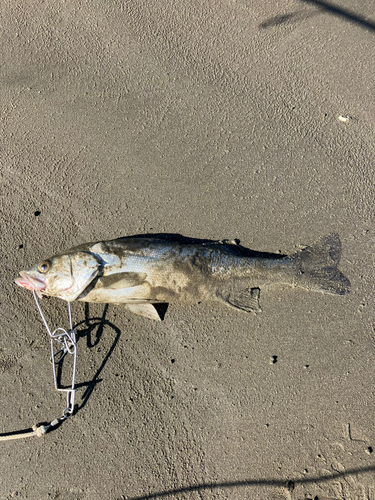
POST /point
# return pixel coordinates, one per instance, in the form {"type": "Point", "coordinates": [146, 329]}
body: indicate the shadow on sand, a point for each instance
{"type": "Point", "coordinates": [92, 324]}
{"type": "Point", "coordinates": [323, 7]}
{"type": "Point", "coordinates": [277, 483]}
{"type": "Point", "coordinates": [98, 324]}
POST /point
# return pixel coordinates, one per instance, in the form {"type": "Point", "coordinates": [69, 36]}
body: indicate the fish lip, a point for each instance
{"type": "Point", "coordinates": [31, 283]}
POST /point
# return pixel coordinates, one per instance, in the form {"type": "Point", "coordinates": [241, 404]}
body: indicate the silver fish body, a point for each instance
{"type": "Point", "coordinates": [142, 270]}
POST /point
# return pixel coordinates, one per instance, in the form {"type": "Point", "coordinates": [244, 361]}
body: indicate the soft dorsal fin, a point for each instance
{"type": "Point", "coordinates": [145, 310]}
{"type": "Point", "coordinates": [121, 280]}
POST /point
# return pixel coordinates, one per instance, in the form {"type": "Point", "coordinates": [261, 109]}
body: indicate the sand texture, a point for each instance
{"type": "Point", "coordinates": [211, 119]}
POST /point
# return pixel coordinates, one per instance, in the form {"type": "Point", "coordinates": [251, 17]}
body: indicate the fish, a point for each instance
{"type": "Point", "coordinates": [142, 271]}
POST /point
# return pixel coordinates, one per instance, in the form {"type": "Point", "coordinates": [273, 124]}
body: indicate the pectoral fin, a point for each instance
{"type": "Point", "coordinates": [246, 299]}
{"type": "Point", "coordinates": [145, 310]}
{"type": "Point", "coordinates": [121, 280]}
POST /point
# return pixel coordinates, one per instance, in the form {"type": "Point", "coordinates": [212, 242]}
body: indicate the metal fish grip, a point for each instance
{"type": "Point", "coordinates": [66, 344]}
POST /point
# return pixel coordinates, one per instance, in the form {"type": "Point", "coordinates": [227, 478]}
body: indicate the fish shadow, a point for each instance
{"type": "Point", "coordinates": [161, 309]}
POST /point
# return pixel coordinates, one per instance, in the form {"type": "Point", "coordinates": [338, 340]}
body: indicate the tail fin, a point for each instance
{"type": "Point", "coordinates": [317, 267]}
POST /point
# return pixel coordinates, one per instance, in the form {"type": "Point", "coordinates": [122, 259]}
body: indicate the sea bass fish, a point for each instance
{"type": "Point", "coordinates": [143, 270]}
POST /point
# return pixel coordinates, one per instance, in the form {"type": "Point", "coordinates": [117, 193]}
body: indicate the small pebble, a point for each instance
{"type": "Point", "coordinates": [344, 119]}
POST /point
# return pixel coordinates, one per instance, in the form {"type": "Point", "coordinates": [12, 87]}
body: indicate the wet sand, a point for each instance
{"type": "Point", "coordinates": [213, 120]}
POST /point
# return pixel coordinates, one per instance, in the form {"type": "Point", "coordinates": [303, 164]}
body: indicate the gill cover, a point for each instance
{"type": "Point", "coordinates": [69, 274]}
{"type": "Point", "coordinates": [84, 268]}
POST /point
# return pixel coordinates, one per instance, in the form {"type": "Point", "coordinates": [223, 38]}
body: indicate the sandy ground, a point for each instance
{"type": "Point", "coordinates": [212, 119]}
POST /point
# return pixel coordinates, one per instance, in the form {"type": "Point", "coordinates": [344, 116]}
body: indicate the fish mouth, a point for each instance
{"type": "Point", "coordinates": [31, 283]}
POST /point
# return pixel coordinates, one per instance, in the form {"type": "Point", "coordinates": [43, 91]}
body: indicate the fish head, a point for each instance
{"type": "Point", "coordinates": [65, 276]}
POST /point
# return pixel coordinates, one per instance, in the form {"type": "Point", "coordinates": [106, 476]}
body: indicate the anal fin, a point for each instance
{"type": "Point", "coordinates": [245, 299]}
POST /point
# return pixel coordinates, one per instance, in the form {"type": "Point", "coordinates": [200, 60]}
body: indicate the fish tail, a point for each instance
{"type": "Point", "coordinates": [317, 267]}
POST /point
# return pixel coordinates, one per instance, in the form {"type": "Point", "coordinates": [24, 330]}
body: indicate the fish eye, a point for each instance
{"type": "Point", "coordinates": [44, 267]}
